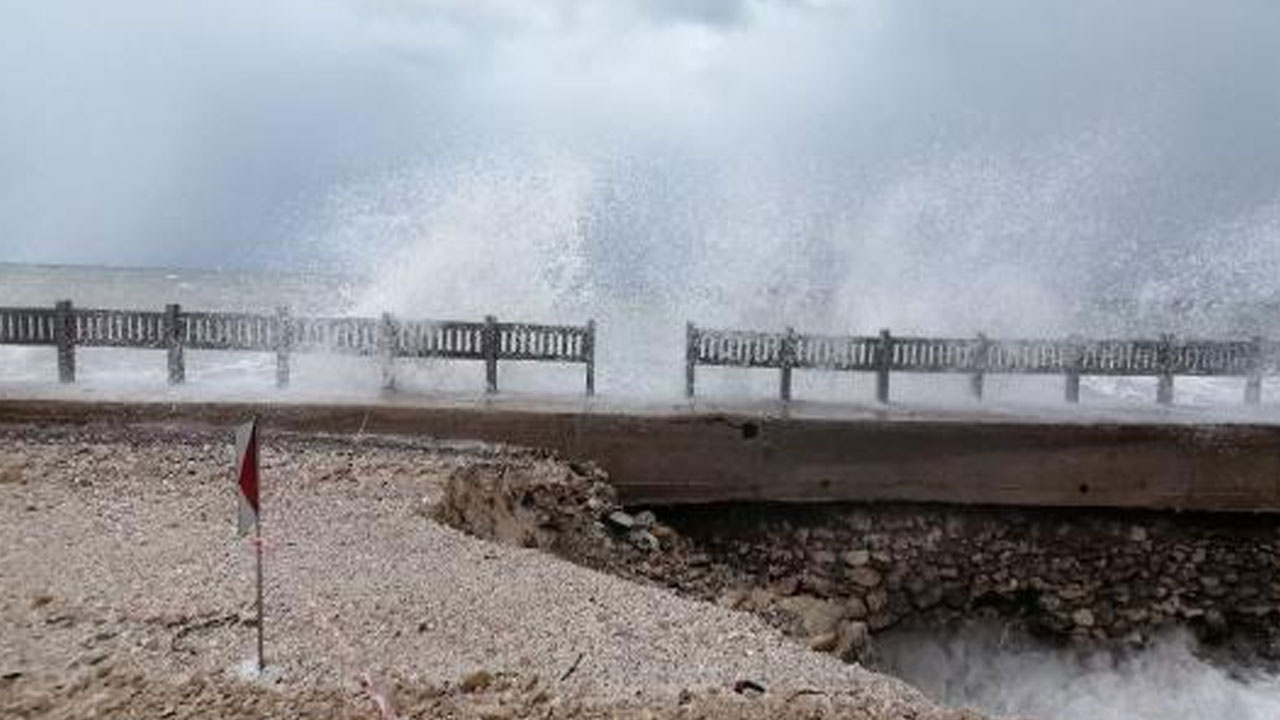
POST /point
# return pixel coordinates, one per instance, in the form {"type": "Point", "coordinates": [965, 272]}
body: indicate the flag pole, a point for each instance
{"type": "Point", "coordinates": [257, 543]}
{"type": "Point", "coordinates": [248, 477]}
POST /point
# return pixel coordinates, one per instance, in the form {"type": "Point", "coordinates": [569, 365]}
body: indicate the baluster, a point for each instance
{"type": "Point", "coordinates": [1075, 356]}
{"type": "Point", "coordinates": [691, 343]}
{"type": "Point", "coordinates": [386, 351]}
{"type": "Point", "coordinates": [1164, 362]}
{"type": "Point", "coordinates": [1253, 385]}
{"type": "Point", "coordinates": [589, 352]}
{"type": "Point", "coordinates": [284, 344]}
{"type": "Point", "coordinates": [65, 337]}
{"type": "Point", "coordinates": [173, 343]}
{"type": "Point", "coordinates": [786, 360]}
{"type": "Point", "coordinates": [978, 378]}
{"type": "Point", "coordinates": [884, 360]}
{"type": "Point", "coordinates": [489, 342]}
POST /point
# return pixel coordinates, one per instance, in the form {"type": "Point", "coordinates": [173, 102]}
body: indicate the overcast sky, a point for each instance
{"type": "Point", "coordinates": [1067, 145]}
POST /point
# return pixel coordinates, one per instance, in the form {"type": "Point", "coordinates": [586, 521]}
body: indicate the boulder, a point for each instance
{"type": "Point", "coordinates": [1082, 618]}
{"type": "Point", "coordinates": [816, 616]}
{"type": "Point", "coordinates": [826, 642]}
{"type": "Point", "coordinates": [852, 640]}
{"type": "Point", "coordinates": [856, 558]}
{"type": "Point", "coordinates": [865, 577]}
{"type": "Point", "coordinates": [856, 608]}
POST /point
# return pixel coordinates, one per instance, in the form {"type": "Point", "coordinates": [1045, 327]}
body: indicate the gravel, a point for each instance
{"type": "Point", "coordinates": [124, 589]}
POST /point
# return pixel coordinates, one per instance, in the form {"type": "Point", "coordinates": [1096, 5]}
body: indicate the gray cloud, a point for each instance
{"type": "Point", "coordinates": [1089, 145]}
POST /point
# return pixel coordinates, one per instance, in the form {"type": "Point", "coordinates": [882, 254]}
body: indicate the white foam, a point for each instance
{"type": "Point", "coordinates": [1015, 677]}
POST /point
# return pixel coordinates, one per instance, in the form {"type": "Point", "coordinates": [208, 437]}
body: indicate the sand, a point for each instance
{"type": "Point", "coordinates": [125, 592]}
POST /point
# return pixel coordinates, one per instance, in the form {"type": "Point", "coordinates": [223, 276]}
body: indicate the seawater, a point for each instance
{"type": "Point", "coordinates": [1008, 675]}
{"type": "Point", "coordinates": [141, 372]}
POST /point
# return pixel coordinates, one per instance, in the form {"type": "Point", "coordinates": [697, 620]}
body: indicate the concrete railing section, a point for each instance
{"type": "Point", "coordinates": [67, 327]}
{"type": "Point", "coordinates": [1074, 357]}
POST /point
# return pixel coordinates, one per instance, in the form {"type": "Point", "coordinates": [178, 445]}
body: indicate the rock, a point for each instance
{"type": "Point", "coordinates": [876, 601]}
{"type": "Point", "coordinates": [826, 642]}
{"type": "Point", "coordinates": [856, 558]}
{"type": "Point", "coordinates": [818, 585]}
{"type": "Point", "coordinates": [856, 608]}
{"type": "Point", "coordinates": [880, 621]}
{"type": "Point", "coordinates": [927, 597]}
{"type": "Point", "coordinates": [1134, 639]}
{"type": "Point", "coordinates": [1072, 592]}
{"type": "Point", "coordinates": [760, 599]}
{"type": "Point", "coordinates": [822, 557]}
{"type": "Point", "coordinates": [1082, 618]}
{"type": "Point", "coordinates": [662, 532]}
{"type": "Point", "coordinates": [645, 519]}
{"type": "Point", "coordinates": [816, 616]}
{"type": "Point", "coordinates": [859, 522]}
{"type": "Point", "coordinates": [644, 540]}
{"type": "Point", "coordinates": [732, 599]}
{"type": "Point", "coordinates": [1216, 621]}
{"type": "Point", "coordinates": [787, 586]}
{"type": "Point", "coordinates": [476, 681]}
{"type": "Point", "coordinates": [865, 577]}
{"type": "Point", "coordinates": [621, 520]}
{"type": "Point", "coordinates": [749, 688]}
{"type": "Point", "coordinates": [10, 474]}
{"type": "Point", "coordinates": [853, 639]}
{"type": "Point", "coordinates": [1138, 534]}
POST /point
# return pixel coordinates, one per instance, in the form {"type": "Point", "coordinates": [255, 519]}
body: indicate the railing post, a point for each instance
{"type": "Point", "coordinates": [590, 352]}
{"type": "Point", "coordinates": [489, 347]}
{"type": "Point", "coordinates": [64, 334]}
{"type": "Point", "coordinates": [173, 343]}
{"type": "Point", "coordinates": [884, 361]}
{"type": "Point", "coordinates": [284, 343]}
{"type": "Point", "coordinates": [1075, 358]}
{"type": "Point", "coordinates": [690, 357]}
{"type": "Point", "coordinates": [1164, 385]}
{"type": "Point", "coordinates": [787, 359]}
{"type": "Point", "coordinates": [1253, 385]}
{"type": "Point", "coordinates": [978, 378]}
{"type": "Point", "coordinates": [386, 351]}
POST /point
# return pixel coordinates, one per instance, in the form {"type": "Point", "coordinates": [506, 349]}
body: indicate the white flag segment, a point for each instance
{"type": "Point", "coordinates": [247, 474]}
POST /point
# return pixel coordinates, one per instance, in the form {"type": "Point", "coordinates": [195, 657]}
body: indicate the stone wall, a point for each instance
{"type": "Point", "coordinates": [835, 575]}
{"type": "Point", "coordinates": [1066, 575]}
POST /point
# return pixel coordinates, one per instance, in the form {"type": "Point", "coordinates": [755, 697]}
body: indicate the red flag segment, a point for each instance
{"type": "Point", "coordinates": [247, 470]}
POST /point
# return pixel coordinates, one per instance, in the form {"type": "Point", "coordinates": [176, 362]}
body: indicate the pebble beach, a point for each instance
{"type": "Point", "coordinates": [127, 593]}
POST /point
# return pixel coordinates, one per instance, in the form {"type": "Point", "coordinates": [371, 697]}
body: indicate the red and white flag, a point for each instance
{"type": "Point", "coordinates": [247, 468]}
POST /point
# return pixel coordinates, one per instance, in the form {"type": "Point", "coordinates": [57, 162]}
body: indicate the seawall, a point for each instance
{"type": "Point", "coordinates": [690, 457]}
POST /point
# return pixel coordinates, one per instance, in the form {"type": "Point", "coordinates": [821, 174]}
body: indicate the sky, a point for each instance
{"type": "Point", "coordinates": [819, 152]}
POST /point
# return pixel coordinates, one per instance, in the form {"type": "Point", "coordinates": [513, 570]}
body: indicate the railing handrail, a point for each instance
{"type": "Point", "coordinates": [283, 333]}
{"type": "Point", "coordinates": [1074, 356]}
